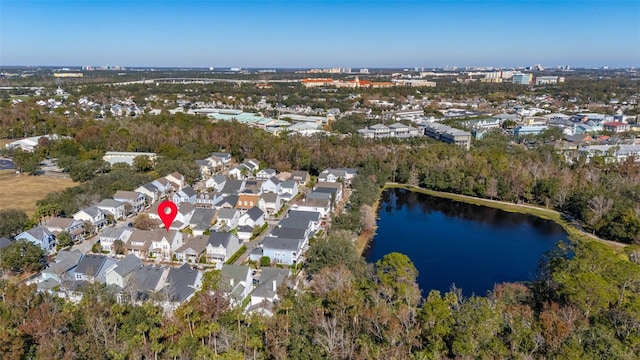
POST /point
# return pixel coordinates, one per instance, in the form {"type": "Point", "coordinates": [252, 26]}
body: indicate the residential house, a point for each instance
{"type": "Point", "coordinates": [151, 192]}
{"type": "Point", "coordinates": [284, 176]}
{"type": "Point", "coordinates": [288, 190]}
{"type": "Point", "coordinates": [227, 202]}
{"type": "Point", "coordinates": [216, 182]}
{"type": "Point", "coordinates": [302, 220]}
{"type": "Point", "coordinates": [221, 246]}
{"type": "Point", "coordinates": [244, 232]}
{"type": "Point", "coordinates": [323, 206]}
{"type": "Point", "coordinates": [177, 180]}
{"type": "Point", "coordinates": [184, 195]}
{"type": "Point", "coordinates": [60, 270]}
{"type": "Point", "coordinates": [93, 268]}
{"type": "Point", "coordinates": [41, 237]}
{"type": "Point", "coordinates": [139, 243]}
{"type": "Point", "coordinates": [206, 199]}
{"type": "Point", "coordinates": [252, 187]}
{"type": "Point", "coordinates": [164, 186]}
{"type": "Point", "coordinates": [182, 283]}
{"type": "Point", "coordinates": [335, 175]}
{"type": "Point", "coordinates": [112, 207]}
{"type": "Point", "coordinates": [228, 218]}
{"type": "Point", "coordinates": [232, 187]}
{"type": "Point", "coordinates": [192, 249]}
{"type": "Point", "coordinates": [266, 292]}
{"type": "Point", "coordinates": [202, 220]}
{"type": "Point", "coordinates": [62, 266]}
{"type": "Point", "coordinates": [109, 235]}
{"type": "Point", "coordinates": [237, 282]}
{"type": "Point", "coordinates": [183, 217]}
{"type": "Point", "coordinates": [265, 174]}
{"type": "Point", "coordinates": [272, 203]}
{"type": "Point", "coordinates": [240, 172]}
{"type": "Point", "coordinates": [135, 199]}
{"type": "Point", "coordinates": [119, 273]}
{"type": "Point", "coordinates": [271, 185]}
{"type": "Point", "coordinates": [291, 233]}
{"type": "Point", "coordinates": [335, 189]}
{"type": "Point", "coordinates": [164, 243]}
{"type": "Point", "coordinates": [616, 126]}
{"type": "Point", "coordinates": [254, 217]}
{"type": "Point", "coordinates": [206, 166]}
{"type": "Point", "coordinates": [301, 177]}
{"type": "Point", "coordinates": [93, 216]}
{"type": "Point", "coordinates": [282, 250]}
{"type": "Point", "coordinates": [74, 227]}
{"type": "Point", "coordinates": [144, 282]}
{"type": "Point", "coordinates": [220, 158]}
{"type": "Point", "coordinates": [247, 201]}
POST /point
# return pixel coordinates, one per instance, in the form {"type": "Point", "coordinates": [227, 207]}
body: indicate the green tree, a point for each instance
{"type": "Point", "coordinates": [142, 163]}
{"type": "Point", "coordinates": [27, 162]}
{"type": "Point", "coordinates": [12, 222]}
{"type": "Point", "coordinates": [337, 248]}
{"type": "Point", "coordinates": [64, 240]}
{"type": "Point", "coordinates": [265, 261]}
{"type": "Point", "coordinates": [21, 256]}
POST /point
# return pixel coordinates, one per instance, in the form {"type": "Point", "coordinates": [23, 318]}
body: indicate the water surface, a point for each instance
{"type": "Point", "coordinates": [471, 246]}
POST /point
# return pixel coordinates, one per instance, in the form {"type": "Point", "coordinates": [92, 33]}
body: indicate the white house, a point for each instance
{"type": "Point", "coordinates": [254, 217]}
{"type": "Point", "coordinates": [237, 282]}
{"type": "Point", "coordinates": [110, 234]}
{"type": "Point", "coordinates": [221, 246]}
{"type": "Point", "coordinates": [135, 199]}
{"type": "Point", "coordinates": [94, 216]}
{"type": "Point", "coordinates": [113, 207]}
{"type": "Point", "coordinates": [271, 185]}
{"type": "Point", "coordinates": [288, 190]}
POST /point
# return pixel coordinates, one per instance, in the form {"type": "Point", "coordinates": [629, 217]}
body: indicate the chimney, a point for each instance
{"type": "Point", "coordinates": [274, 285]}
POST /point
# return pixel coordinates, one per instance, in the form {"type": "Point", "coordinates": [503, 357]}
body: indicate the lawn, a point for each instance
{"type": "Point", "coordinates": [22, 191]}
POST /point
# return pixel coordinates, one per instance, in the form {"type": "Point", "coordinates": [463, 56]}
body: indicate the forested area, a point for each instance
{"type": "Point", "coordinates": [585, 304]}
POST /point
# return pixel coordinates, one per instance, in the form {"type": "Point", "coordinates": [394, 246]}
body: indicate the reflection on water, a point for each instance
{"type": "Point", "coordinates": [452, 242]}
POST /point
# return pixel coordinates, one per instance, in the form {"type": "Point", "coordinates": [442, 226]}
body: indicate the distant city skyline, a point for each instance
{"type": "Point", "coordinates": [320, 34]}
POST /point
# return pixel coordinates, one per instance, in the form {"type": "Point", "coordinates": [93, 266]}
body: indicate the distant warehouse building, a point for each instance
{"type": "Point", "coordinates": [448, 134]}
{"type": "Point", "coordinates": [114, 157]}
{"type": "Point", "coordinates": [522, 79]}
{"type": "Point", "coordinates": [549, 80]}
{"type": "Point", "coordinates": [529, 130]}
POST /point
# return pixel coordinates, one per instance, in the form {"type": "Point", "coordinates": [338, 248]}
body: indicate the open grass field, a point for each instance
{"type": "Point", "coordinates": [22, 191]}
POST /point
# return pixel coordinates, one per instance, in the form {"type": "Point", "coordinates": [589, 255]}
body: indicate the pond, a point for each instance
{"type": "Point", "coordinates": [450, 242]}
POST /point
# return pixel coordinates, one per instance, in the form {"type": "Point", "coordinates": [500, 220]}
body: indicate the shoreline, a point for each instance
{"type": "Point", "coordinates": [364, 239]}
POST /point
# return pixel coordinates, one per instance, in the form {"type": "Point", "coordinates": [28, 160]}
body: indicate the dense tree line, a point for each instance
{"type": "Point", "coordinates": [585, 305]}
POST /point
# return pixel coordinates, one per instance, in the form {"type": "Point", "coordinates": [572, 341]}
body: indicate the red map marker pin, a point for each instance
{"type": "Point", "coordinates": [167, 211]}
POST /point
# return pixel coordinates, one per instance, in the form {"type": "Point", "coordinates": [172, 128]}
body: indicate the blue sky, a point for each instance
{"type": "Point", "coordinates": [320, 33]}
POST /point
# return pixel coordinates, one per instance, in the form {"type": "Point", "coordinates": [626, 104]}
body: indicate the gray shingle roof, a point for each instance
{"type": "Point", "coordinates": [64, 261]}
{"type": "Point", "coordinates": [221, 238]}
{"type": "Point", "coordinates": [181, 282]}
{"type": "Point", "coordinates": [269, 275]}
{"type": "Point", "coordinates": [289, 233]}
{"type": "Point", "coordinates": [203, 217]}
{"type": "Point", "coordinates": [146, 278]}
{"type": "Point", "coordinates": [90, 264]}
{"type": "Point", "coordinates": [254, 213]}
{"type": "Point", "coordinates": [109, 203]}
{"type": "Point", "coordinates": [128, 264]}
{"type": "Point", "coordinates": [275, 243]}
